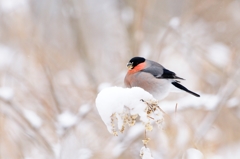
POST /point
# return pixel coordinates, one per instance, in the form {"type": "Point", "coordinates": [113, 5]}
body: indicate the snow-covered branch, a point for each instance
{"type": "Point", "coordinates": [122, 106]}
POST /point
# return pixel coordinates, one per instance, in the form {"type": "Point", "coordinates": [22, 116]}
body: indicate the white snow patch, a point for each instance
{"type": "Point", "coordinates": [85, 153]}
{"type": "Point", "coordinates": [33, 118]}
{"type": "Point", "coordinates": [12, 5]}
{"type": "Point", "coordinates": [11, 58]}
{"type": "Point", "coordinates": [118, 100]}
{"type": "Point", "coordinates": [6, 56]}
{"type": "Point", "coordinates": [193, 153]}
{"type": "Point", "coordinates": [103, 86]}
{"type": "Point", "coordinates": [67, 119]}
{"type": "Point", "coordinates": [219, 54]}
{"type": "Point", "coordinates": [56, 149]}
{"type": "Point", "coordinates": [84, 109]}
{"type": "Point", "coordinates": [233, 102]}
{"type": "Point", "coordinates": [206, 101]}
{"type": "Point", "coordinates": [209, 102]}
{"type": "Point", "coordinates": [6, 93]}
{"type": "Point", "coordinates": [145, 153]}
{"type": "Point", "coordinates": [183, 132]}
{"type": "Point", "coordinates": [174, 22]}
{"type": "Point", "coordinates": [133, 133]}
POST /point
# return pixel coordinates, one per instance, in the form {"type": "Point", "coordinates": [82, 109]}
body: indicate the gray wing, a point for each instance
{"type": "Point", "coordinates": [159, 71]}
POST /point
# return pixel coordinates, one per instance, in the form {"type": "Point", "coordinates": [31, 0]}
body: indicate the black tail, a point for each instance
{"type": "Point", "coordinates": [176, 84]}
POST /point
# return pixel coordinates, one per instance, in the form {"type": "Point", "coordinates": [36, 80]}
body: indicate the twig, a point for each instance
{"type": "Point", "coordinates": [150, 117]}
{"type": "Point", "coordinates": [176, 106]}
{"type": "Point", "coordinates": [225, 94]}
{"type": "Point", "coordinates": [39, 137]}
{"type": "Point", "coordinates": [145, 136]}
{"type": "Point", "coordinates": [161, 110]}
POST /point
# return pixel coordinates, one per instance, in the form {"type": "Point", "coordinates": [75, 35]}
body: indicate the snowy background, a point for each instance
{"type": "Point", "coordinates": [56, 55]}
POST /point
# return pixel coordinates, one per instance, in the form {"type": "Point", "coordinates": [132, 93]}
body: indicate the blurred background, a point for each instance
{"type": "Point", "coordinates": [55, 56]}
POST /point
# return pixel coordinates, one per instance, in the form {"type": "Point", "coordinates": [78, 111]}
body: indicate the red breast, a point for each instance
{"type": "Point", "coordinates": [137, 68]}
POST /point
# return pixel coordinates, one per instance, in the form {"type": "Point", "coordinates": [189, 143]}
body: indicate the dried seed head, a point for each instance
{"type": "Point", "coordinates": [145, 141]}
{"type": "Point", "coordinates": [134, 116]}
{"type": "Point", "coordinates": [148, 127]}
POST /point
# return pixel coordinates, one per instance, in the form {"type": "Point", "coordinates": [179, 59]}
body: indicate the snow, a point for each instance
{"type": "Point", "coordinates": [67, 119]}
{"type": "Point", "coordinates": [219, 54]}
{"type": "Point", "coordinates": [85, 153]}
{"type": "Point", "coordinates": [206, 101]}
{"type": "Point", "coordinates": [174, 22]}
{"type": "Point", "coordinates": [56, 149]}
{"type": "Point", "coordinates": [233, 102]}
{"type": "Point", "coordinates": [33, 118]}
{"type": "Point", "coordinates": [84, 109]}
{"type": "Point", "coordinates": [193, 153]}
{"type": "Point", "coordinates": [103, 86]}
{"type": "Point", "coordinates": [145, 153]}
{"type": "Point", "coordinates": [183, 131]}
{"type": "Point", "coordinates": [124, 104]}
{"type": "Point", "coordinates": [6, 56]}
{"type": "Point", "coordinates": [10, 56]}
{"type": "Point", "coordinates": [12, 5]}
{"type": "Point", "coordinates": [6, 93]}
{"type": "Point", "coordinates": [133, 133]}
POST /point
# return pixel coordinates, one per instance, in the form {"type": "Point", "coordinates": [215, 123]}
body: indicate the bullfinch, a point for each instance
{"type": "Point", "coordinates": [153, 78]}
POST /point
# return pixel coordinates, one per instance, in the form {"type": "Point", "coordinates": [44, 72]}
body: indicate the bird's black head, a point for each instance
{"type": "Point", "coordinates": [135, 61]}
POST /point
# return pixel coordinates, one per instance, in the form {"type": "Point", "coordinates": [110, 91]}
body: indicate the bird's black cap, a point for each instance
{"type": "Point", "coordinates": [135, 61]}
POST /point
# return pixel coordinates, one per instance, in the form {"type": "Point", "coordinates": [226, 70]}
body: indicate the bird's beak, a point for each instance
{"type": "Point", "coordinates": [129, 65]}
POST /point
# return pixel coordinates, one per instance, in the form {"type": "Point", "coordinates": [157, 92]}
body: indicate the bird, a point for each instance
{"type": "Point", "coordinates": [153, 78]}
